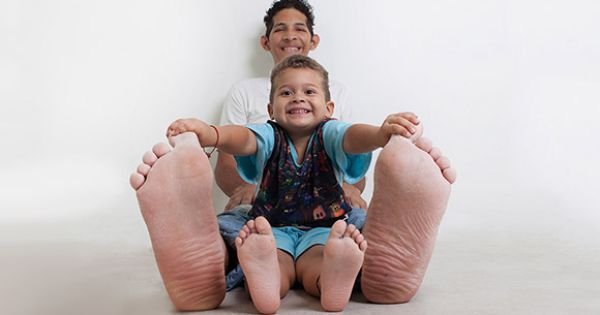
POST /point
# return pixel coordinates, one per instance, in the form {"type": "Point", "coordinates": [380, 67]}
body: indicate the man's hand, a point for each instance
{"type": "Point", "coordinates": [352, 196]}
{"type": "Point", "coordinates": [242, 195]}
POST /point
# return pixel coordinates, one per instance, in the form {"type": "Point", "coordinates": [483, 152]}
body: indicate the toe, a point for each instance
{"type": "Point", "coordinates": [262, 225]}
{"type": "Point", "coordinates": [136, 180]}
{"type": "Point", "coordinates": [450, 175]}
{"type": "Point", "coordinates": [149, 158]}
{"type": "Point", "coordinates": [443, 162]}
{"type": "Point", "coordinates": [435, 153]}
{"type": "Point", "coordinates": [143, 169]}
{"type": "Point", "coordinates": [338, 229]}
{"type": "Point", "coordinates": [424, 144]}
{"type": "Point", "coordinates": [161, 149]}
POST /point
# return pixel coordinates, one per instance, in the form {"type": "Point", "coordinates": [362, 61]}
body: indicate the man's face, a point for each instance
{"type": "Point", "coordinates": [299, 103]}
{"type": "Point", "coordinates": [290, 36]}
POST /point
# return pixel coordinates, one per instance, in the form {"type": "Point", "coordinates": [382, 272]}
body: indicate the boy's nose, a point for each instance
{"type": "Point", "coordinates": [298, 99]}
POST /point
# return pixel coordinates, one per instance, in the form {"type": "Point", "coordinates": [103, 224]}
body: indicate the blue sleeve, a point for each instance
{"type": "Point", "coordinates": [250, 167]}
{"type": "Point", "coordinates": [349, 167]}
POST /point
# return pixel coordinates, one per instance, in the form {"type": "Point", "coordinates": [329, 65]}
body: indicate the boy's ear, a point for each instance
{"type": "Point", "coordinates": [270, 110]}
{"type": "Point", "coordinates": [330, 106]}
{"type": "Point", "coordinates": [264, 43]}
{"type": "Point", "coordinates": [314, 41]}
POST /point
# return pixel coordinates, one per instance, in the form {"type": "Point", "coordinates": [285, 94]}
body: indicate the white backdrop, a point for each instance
{"type": "Point", "coordinates": [508, 89]}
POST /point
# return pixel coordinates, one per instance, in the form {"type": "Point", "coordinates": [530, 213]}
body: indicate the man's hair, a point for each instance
{"type": "Point", "coordinates": [300, 5]}
{"type": "Point", "coordinates": [300, 62]}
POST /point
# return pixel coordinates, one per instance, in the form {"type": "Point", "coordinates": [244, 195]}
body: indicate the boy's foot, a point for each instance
{"type": "Point", "coordinates": [257, 254]}
{"type": "Point", "coordinates": [409, 200]}
{"type": "Point", "coordinates": [342, 259]}
{"type": "Point", "coordinates": [174, 192]}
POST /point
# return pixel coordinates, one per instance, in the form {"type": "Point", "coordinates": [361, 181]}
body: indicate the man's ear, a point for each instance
{"type": "Point", "coordinates": [270, 110]}
{"type": "Point", "coordinates": [314, 41]}
{"type": "Point", "coordinates": [330, 107]}
{"type": "Point", "coordinates": [264, 43]}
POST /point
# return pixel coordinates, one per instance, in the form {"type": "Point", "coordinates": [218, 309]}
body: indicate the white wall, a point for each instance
{"type": "Point", "coordinates": [508, 89]}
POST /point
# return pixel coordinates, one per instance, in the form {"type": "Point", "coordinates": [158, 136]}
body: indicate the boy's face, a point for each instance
{"type": "Point", "coordinates": [289, 36]}
{"type": "Point", "coordinates": [299, 101]}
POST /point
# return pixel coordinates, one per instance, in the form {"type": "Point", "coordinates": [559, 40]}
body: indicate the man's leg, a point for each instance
{"type": "Point", "coordinates": [174, 192]}
{"type": "Point", "coordinates": [410, 194]}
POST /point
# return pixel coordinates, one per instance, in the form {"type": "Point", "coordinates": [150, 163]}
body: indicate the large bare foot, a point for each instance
{"type": "Point", "coordinates": [342, 259]}
{"type": "Point", "coordinates": [257, 254]}
{"type": "Point", "coordinates": [174, 192]}
{"type": "Point", "coordinates": [409, 200]}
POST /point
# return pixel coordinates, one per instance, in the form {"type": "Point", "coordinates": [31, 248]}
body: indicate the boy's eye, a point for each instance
{"type": "Point", "coordinates": [310, 92]}
{"type": "Point", "coordinates": [285, 93]}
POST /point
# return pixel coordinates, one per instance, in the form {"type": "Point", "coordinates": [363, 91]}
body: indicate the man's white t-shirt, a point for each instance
{"type": "Point", "coordinates": [247, 102]}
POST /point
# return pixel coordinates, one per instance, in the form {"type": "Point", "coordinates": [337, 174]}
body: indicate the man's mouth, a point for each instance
{"type": "Point", "coordinates": [292, 50]}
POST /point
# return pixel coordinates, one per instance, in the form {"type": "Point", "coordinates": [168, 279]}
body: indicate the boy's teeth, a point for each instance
{"type": "Point", "coordinates": [298, 111]}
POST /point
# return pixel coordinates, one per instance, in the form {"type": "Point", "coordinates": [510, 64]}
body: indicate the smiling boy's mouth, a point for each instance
{"type": "Point", "coordinates": [297, 111]}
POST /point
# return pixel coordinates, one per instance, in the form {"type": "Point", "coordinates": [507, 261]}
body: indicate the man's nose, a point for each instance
{"type": "Point", "coordinates": [290, 35]}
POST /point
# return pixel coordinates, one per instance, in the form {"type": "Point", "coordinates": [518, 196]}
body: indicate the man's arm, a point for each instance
{"type": "Point", "coordinates": [230, 182]}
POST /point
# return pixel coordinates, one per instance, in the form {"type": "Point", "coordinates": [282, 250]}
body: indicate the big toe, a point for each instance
{"type": "Point", "coordinates": [186, 138]}
{"type": "Point", "coordinates": [338, 229]}
{"type": "Point", "coordinates": [262, 225]}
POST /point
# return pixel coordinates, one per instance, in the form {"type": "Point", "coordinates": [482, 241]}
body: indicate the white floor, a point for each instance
{"type": "Point", "coordinates": [488, 260]}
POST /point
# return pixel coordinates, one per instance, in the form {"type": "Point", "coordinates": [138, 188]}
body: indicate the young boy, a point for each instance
{"type": "Point", "coordinates": [300, 159]}
{"type": "Point", "coordinates": [289, 30]}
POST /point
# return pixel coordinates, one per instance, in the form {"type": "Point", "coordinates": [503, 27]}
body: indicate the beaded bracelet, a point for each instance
{"type": "Point", "coordinates": [216, 143]}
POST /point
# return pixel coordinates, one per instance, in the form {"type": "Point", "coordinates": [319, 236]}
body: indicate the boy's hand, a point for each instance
{"type": "Point", "coordinates": [404, 124]}
{"type": "Point", "coordinates": [200, 128]}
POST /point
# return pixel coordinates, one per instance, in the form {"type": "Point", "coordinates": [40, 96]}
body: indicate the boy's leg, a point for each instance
{"type": "Point", "coordinates": [258, 256]}
{"type": "Point", "coordinates": [330, 271]}
{"type": "Point", "coordinates": [409, 200]}
{"type": "Point", "coordinates": [174, 192]}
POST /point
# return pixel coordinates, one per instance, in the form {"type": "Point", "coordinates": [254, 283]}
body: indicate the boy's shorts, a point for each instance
{"type": "Point", "coordinates": [295, 241]}
{"type": "Point", "coordinates": [231, 222]}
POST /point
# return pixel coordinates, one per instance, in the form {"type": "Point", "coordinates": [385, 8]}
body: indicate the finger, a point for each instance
{"type": "Point", "coordinates": [401, 121]}
{"type": "Point", "coordinates": [412, 117]}
{"type": "Point", "coordinates": [400, 130]}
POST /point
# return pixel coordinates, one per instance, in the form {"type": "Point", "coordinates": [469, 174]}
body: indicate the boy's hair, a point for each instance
{"type": "Point", "coordinates": [300, 5]}
{"type": "Point", "coordinates": [300, 62]}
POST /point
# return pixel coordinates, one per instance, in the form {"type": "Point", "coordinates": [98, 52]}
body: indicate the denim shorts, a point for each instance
{"type": "Point", "coordinates": [230, 224]}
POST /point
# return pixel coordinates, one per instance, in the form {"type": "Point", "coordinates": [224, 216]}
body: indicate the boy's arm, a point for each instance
{"type": "Point", "coordinates": [360, 138]}
{"type": "Point", "coordinates": [236, 140]}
